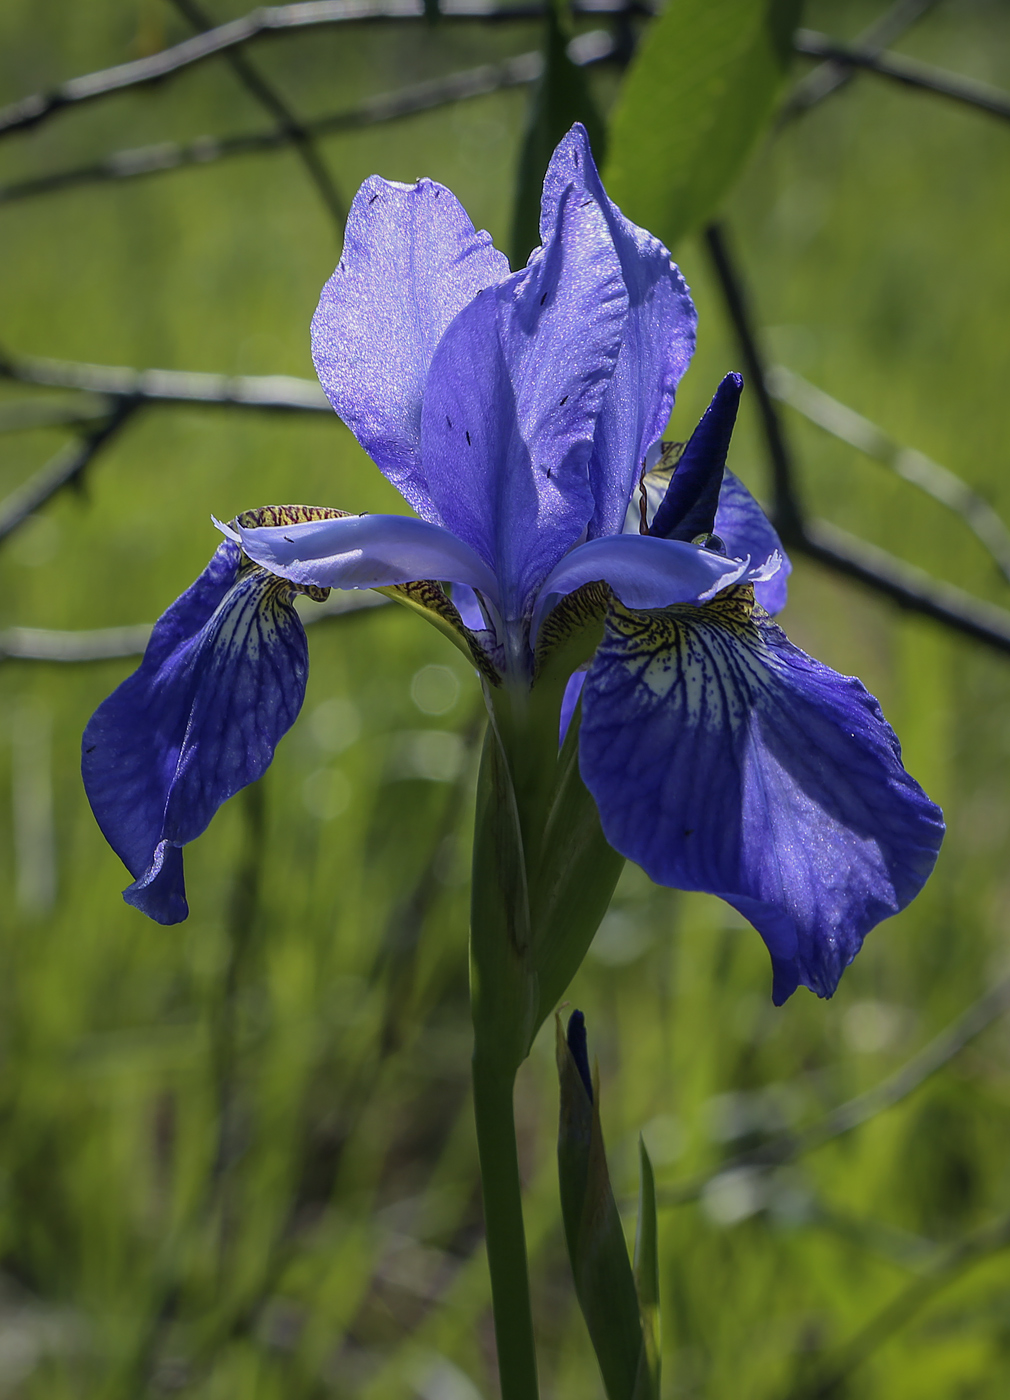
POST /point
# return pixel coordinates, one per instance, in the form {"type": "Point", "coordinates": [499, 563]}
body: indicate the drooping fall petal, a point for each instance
{"type": "Point", "coordinates": [724, 759]}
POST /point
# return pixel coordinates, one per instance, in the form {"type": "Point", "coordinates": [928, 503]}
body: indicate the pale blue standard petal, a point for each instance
{"type": "Point", "coordinates": [657, 344]}
{"type": "Point", "coordinates": [512, 398]}
{"type": "Point", "coordinates": [745, 529]}
{"type": "Point", "coordinates": [724, 759]}
{"type": "Point", "coordinates": [411, 262]}
{"type": "Point", "coordinates": [222, 680]}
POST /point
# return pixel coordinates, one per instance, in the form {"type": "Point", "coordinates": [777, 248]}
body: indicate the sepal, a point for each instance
{"type": "Point", "coordinates": [222, 680]}
{"type": "Point", "coordinates": [724, 759]}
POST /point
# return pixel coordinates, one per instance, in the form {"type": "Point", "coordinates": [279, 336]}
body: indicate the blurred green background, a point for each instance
{"type": "Point", "coordinates": [237, 1156]}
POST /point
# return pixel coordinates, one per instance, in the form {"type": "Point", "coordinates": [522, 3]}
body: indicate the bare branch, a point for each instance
{"type": "Point", "coordinates": [596, 46]}
{"type": "Point", "coordinates": [269, 98]}
{"type": "Point", "coordinates": [912, 466]}
{"type": "Point", "coordinates": [274, 392]}
{"type": "Point", "coordinates": [62, 470]}
{"type": "Point", "coordinates": [905, 584]}
{"type": "Point", "coordinates": [29, 414]}
{"type": "Point", "coordinates": [786, 511]}
{"type": "Point", "coordinates": [116, 643]}
{"type": "Point", "coordinates": [30, 111]}
{"type": "Point", "coordinates": [910, 587]}
{"type": "Point", "coordinates": [908, 71]}
{"type": "Point", "coordinates": [828, 77]}
{"type": "Point", "coordinates": [786, 1147]}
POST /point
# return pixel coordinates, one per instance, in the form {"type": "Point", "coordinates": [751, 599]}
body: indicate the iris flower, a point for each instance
{"type": "Point", "coordinates": [520, 415]}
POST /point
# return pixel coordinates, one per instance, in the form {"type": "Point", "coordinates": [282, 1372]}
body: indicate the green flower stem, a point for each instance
{"type": "Point", "coordinates": [506, 1238]}
{"type": "Point", "coordinates": [523, 795]}
{"type": "Point", "coordinates": [503, 994]}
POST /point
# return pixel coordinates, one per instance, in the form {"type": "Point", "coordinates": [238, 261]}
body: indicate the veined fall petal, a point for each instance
{"type": "Point", "coordinates": [724, 759]}
{"type": "Point", "coordinates": [222, 680]}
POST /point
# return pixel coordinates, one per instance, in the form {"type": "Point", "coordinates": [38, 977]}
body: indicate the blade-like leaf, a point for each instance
{"type": "Point", "coordinates": [695, 101]}
{"type": "Point", "coordinates": [647, 1278]}
{"type": "Point", "coordinates": [572, 882]}
{"type": "Point", "coordinates": [503, 984]}
{"type": "Point", "coordinates": [604, 1282]}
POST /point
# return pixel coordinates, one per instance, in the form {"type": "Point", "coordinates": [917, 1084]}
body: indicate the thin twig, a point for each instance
{"type": "Point", "coordinates": [905, 584]}
{"type": "Point", "coordinates": [116, 643]}
{"type": "Point", "coordinates": [787, 1146]}
{"type": "Point", "coordinates": [830, 76]}
{"type": "Point", "coordinates": [275, 392]}
{"type": "Point", "coordinates": [288, 122]}
{"type": "Point", "coordinates": [596, 46]}
{"type": "Point", "coordinates": [62, 470]}
{"type": "Point", "coordinates": [911, 588]}
{"type": "Point", "coordinates": [786, 512]}
{"type": "Point", "coordinates": [915, 467]}
{"type": "Point", "coordinates": [832, 1376]}
{"type": "Point", "coordinates": [908, 71]}
{"type": "Point", "coordinates": [31, 414]}
{"type": "Point", "coordinates": [30, 111]}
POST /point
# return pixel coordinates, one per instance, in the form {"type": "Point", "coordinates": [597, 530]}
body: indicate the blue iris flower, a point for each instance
{"type": "Point", "coordinates": [520, 415]}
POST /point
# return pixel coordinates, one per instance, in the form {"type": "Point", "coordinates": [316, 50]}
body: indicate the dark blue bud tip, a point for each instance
{"type": "Point", "coordinates": [579, 1051]}
{"type": "Point", "coordinates": [689, 507]}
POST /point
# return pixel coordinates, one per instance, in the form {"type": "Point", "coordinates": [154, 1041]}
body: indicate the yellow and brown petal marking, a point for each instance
{"type": "Point", "coordinates": [430, 599]}
{"type": "Point", "coordinates": [652, 484]}
{"type": "Point", "coordinates": [575, 625]}
{"type": "Point", "coordinates": [267, 516]}
{"type": "Point", "coordinates": [689, 646]}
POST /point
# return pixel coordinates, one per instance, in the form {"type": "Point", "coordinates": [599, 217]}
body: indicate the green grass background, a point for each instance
{"type": "Point", "coordinates": [237, 1156]}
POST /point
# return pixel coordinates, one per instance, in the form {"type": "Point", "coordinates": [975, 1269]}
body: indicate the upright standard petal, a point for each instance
{"type": "Point", "coordinates": [744, 528]}
{"type": "Point", "coordinates": [722, 758]}
{"type": "Point", "coordinates": [411, 261]}
{"type": "Point", "coordinates": [656, 348]}
{"type": "Point", "coordinates": [222, 680]}
{"type": "Point", "coordinates": [512, 399]}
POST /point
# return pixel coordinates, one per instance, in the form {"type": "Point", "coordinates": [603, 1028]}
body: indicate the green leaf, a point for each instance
{"type": "Point", "coordinates": [604, 1282]}
{"type": "Point", "coordinates": [503, 983]}
{"type": "Point", "coordinates": [647, 1278]}
{"type": "Point", "coordinates": [697, 97]}
{"type": "Point", "coordinates": [572, 882]}
{"type": "Point", "coordinates": [561, 98]}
